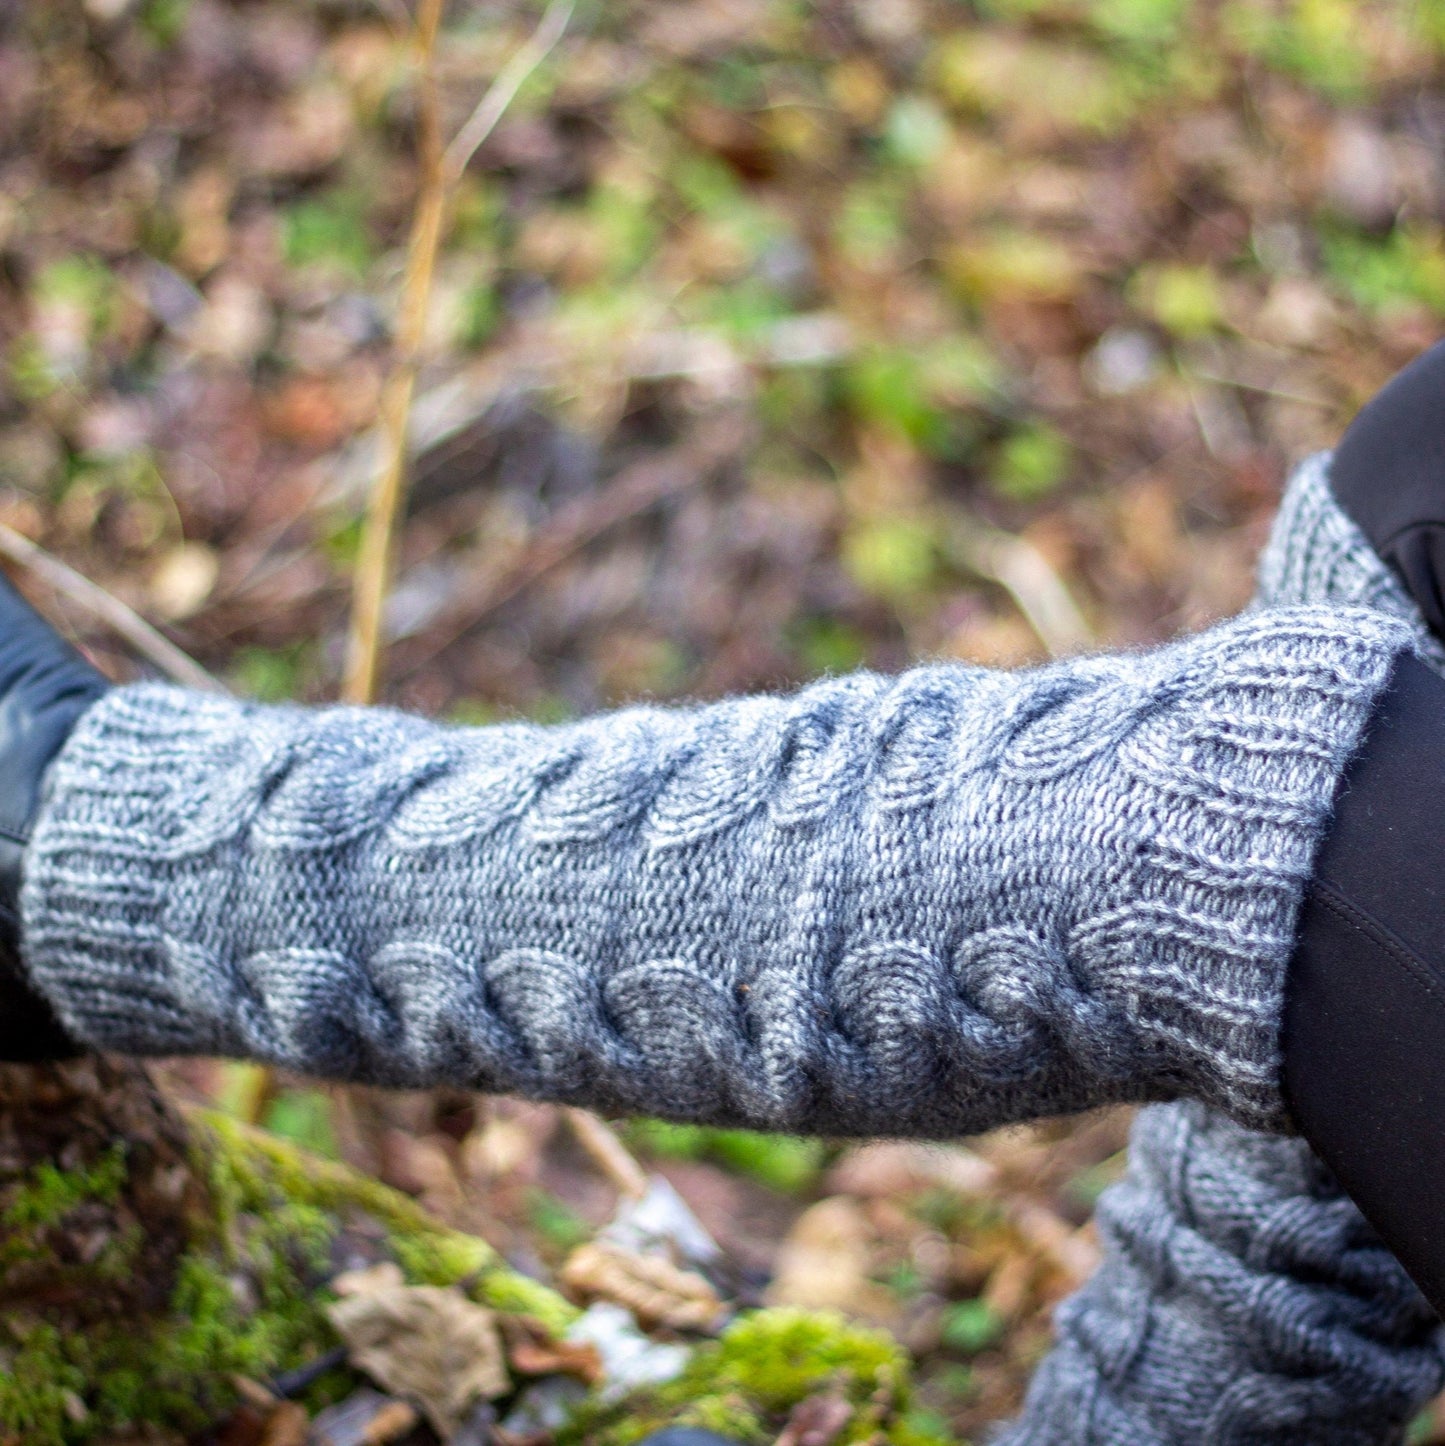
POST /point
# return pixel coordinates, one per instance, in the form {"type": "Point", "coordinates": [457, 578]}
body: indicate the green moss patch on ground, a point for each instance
{"type": "Point", "coordinates": [747, 1383]}
{"type": "Point", "coordinates": [249, 1294]}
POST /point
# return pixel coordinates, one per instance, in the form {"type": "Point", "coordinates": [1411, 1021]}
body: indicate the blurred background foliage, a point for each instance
{"type": "Point", "coordinates": [769, 338]}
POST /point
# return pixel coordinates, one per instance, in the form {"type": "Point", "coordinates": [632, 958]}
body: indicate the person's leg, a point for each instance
{"type": "Point", "coordinates": [1365, 1006]}
{"type": "Point", "coordinates": [1243, 1297]}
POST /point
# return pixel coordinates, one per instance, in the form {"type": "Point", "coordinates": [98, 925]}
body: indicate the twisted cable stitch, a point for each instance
{"type": "Point", "coordinates": [920, 905]}
{"type": "Point", "coordinates": [1242, 1302]}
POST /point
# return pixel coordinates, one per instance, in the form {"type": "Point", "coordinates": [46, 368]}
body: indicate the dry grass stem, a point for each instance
{"type": "Point", "coordinates": [373, 567]}
{"type": "Point", "coordinates": [1038, 591]}
{"type": "Point", "coordinates": [503, 90]}
{"type": "Point", "coordinates": [441, 167]}
{"type": "Point", "coordinates": [1030, 580]}
{"type": "Point", "coordinates": [105, 607]}
{"type": "Point", "coordinates": [608, 1153]}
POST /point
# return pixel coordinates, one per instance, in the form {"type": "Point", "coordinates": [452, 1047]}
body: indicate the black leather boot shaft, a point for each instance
{"type": "Point", "coordinates": [45, 685]}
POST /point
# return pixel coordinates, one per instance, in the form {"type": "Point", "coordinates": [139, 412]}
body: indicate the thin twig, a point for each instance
{"type": "Point", "coordinates": [608, 1152]}
{"type": "Point", "coordinates": [1038, 592]}
{"type": "Point", "coordinates": [1030, 579]}
{"type": "Point", "coordinates": [1239, 384]}
{"type": "Point", "coordinates": [373, 566]}
{"type": "Point", "coordinates": [503, 90]}
{"type": "Point", "coordinates": [108, 609]}
{"type": "Point", "coordinates": [441, 168]}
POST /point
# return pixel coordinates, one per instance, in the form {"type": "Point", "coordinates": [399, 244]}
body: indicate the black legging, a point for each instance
{"type": "Point", "coordinates": [1364, 1027]}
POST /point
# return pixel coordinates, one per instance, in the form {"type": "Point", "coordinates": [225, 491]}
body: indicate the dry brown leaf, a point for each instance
{"type": "Point", "coordinates": [390, 1423]}
{"type": "Point", "coordinates": [533, 1351]}
{"type": "Point", "coordinates": [825, 1262]}
{"type": "Point", "coordinates": [1009, 1286]}
{"type": "Point", "coordinates": [653, 1288]}
{"type": "Point", "coordinates": [368, 1280]}
{"type": "Point", "coordinates": [1073, 1251]}
{"type": "Point", "coordinates": [430, 1345]}
{"type": "Point", "coordinates": [287, 1425]}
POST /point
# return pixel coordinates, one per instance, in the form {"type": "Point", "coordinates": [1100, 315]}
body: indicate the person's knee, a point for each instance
{"type": "Point", "coordinates": [1388, 473]}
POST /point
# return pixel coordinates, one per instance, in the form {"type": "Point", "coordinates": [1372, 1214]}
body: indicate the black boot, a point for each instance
{"type": "Point", "coordinates": [45, 685]}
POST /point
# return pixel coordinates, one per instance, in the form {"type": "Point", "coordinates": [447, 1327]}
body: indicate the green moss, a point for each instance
{"type": "Point", "coordinates": [560, 1227]}
{"type": "Point", "coordinates": [1031, 463]}
{"type": "Point", "coordinates": [43, 1204]}
{"type": "Point", "coordinates": [786, 1163]}
{"type": "Point", "coordinates": [248, 1297]}
{"type": "Point", "coordinates": [745, 1384]}
{"type": "Point", "coordinates": [1404, 268]}
{"type": "Point", "coordinates": [971, 1326]}
{"type": "Point", "coordinates": [38, 1387]}
{"type": "Point", "coordinates": [428, 1253]}
{"type": "Point", "coordinates": [52, 1194]}
{"type": "Point", "coordinates": [242, 1303]}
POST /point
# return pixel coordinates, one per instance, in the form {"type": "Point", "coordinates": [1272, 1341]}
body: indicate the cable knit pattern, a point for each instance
{"type": "Point", "coordinates": [918, 905]}
{"type": "Point", "coordinates": [1242, 1299]}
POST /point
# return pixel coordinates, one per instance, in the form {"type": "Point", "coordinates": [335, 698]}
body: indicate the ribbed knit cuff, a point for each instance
{"type": "Point", "coordinates": [156, 782]}
{"type": "Point", "coordinates": [1317, 554]}
{"type": "Point", "coordinates": [925, 905]}
{"type": "Point", "coordinates": [1233, 788]}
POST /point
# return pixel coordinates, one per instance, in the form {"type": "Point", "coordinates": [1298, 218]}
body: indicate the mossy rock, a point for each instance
{"type": "Point", "coordinates": [149, 1259]}
{"type": "Point", "coordinates": [122, 1307]}
{"type": "Point", "coordinates": [745, 1385]}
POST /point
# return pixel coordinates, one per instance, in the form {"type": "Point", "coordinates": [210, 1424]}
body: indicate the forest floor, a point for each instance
{"type": "Point", "coordinates": [767, 339]}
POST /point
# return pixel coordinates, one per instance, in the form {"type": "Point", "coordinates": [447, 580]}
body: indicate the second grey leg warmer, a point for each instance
{"type": "Point", "coordinates": [1243, 1301]}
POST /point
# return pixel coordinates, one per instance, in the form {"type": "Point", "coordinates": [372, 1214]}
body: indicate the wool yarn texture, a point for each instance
{"type": "Point", "coordinates": [917, 905]}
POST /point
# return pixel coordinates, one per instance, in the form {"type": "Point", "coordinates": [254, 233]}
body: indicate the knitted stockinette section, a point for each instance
{"type": "Point", "coordinates": [920, 905]}
{"type": "Point", "coordinates": [1242, 1297]}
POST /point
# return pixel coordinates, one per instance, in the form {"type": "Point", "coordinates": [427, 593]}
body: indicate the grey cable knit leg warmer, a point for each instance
{"type": "Point", "coordinates": [1243, 1299]}
{"type": "Point", "coordinates": [922, 905]}
{"type": "Point", "coordinates": [928, 905]}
